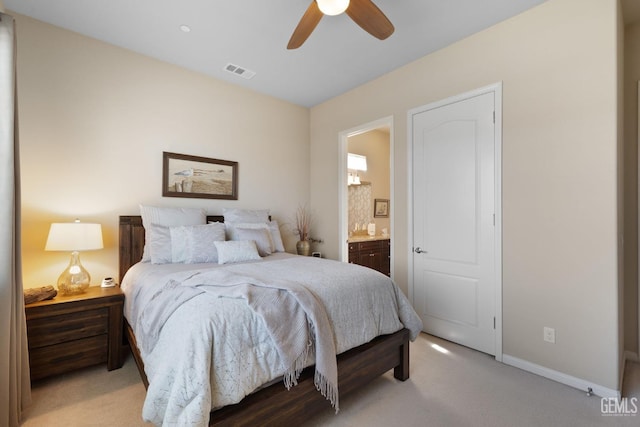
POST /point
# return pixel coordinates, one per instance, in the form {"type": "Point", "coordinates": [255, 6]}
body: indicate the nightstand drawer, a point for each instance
{"type": "Point", "coordinates": [59, 358]}
{"type": "Point", "coordinates": [66, 327]}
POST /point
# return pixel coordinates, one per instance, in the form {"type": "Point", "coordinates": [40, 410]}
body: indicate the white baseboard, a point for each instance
{"type": "Point", "coordinates": [560, 377]}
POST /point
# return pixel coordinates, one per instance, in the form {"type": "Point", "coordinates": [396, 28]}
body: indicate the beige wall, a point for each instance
{"type": "Point", "coordinates": [631, 78]}
{"type": "Point", "coordinates": [560, 132]}
{"type": "Point", "coordinates": [375, 145]}
{"type": "Point", "coordinates": [95, 119]}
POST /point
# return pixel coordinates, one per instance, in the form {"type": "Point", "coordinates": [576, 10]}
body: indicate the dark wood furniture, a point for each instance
{"type": "Point", "coordinates": [75, 331]}
{"type": "Point", "coordinates": [372, 253]}
{"type": "Point", "coordinates": [275, 405]}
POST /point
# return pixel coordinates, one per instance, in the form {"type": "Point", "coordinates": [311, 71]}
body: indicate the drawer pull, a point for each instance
{"type": "Point", "coordinates": [68, 357]}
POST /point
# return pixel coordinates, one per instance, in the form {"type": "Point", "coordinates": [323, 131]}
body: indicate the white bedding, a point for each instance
{"type": "Point", "coordinates": [212, 351]}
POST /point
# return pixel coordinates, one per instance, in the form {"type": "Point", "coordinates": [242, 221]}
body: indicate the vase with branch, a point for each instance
{"type": "Point", "coordinates": [302, 228]}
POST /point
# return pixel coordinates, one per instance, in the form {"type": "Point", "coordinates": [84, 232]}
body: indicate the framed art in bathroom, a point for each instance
{"type": "Point", "coordinates": [381, 208]}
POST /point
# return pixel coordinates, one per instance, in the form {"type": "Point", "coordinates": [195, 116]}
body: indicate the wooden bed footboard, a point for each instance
{"type": "Point", "coordinates": [275, 405]}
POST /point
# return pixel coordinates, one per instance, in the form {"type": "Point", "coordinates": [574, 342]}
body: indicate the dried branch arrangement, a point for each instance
{"type": "Point", "coordinates": [302, 223]}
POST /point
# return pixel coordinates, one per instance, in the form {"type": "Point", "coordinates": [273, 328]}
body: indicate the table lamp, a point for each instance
{"type": "Point", "coordinates": [75, 237]}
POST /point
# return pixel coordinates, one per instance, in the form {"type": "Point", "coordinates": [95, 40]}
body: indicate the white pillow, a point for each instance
{"type": "Point", "coordinates": [194, 244]}
{"type": "Point", "coordinates": [236, 251]}
{"type": "Point", "coordinates": [272, 226]}
{"type": "Point", "coordinates": [245, 215]}
{"type": "Point", "coordinates": [261, 236]}
{"type": "Point", "coordinates": [158, 245]}
{"type": "Point", "coordinates": [276, 237]}
{"type": "Point", "coordinates": [231, 227]}
{"type": "Point", "coordinates": [168, 217]}
{"type": "Point", "coordinates": [178, 236]}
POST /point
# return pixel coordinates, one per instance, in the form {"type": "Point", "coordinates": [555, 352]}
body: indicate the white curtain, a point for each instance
{"type": "Point", "coordinates": [15, 388]}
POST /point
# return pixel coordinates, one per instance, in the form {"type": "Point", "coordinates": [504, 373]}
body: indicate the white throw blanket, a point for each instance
{"type": "Point", "coordinates": [298, 324]}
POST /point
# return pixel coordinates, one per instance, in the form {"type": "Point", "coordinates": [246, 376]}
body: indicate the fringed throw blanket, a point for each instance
{"type": "Point", "coordinates": [293, 316]}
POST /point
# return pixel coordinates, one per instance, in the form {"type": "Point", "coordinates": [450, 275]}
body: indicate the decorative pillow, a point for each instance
{"type": "Point", "coordinates": [158, 246]}
{"type": "Point", "coordinates": [193, 244]}
{"type": "Point", "coordinates": [245, 215]}
{"type": "Point", "coordinates": [236, 251]}
{"type": "Point", "coordinates": [179, 244]}
{"type": "Point", "coordinates": [231, 228]}
{"type": "Point", "coordinates": [168, 217]}
{"type": "Point", "coordinates": [274, 227]}
{"type": "Point", "coordinates": [261, 236]}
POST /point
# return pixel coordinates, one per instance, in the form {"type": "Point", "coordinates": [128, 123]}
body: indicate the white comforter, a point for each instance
{"type": "Point", "coordinates": [212, 352]}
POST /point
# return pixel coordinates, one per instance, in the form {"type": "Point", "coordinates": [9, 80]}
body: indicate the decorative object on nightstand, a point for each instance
{"type": "Point", "coordinates": [75, 237]}
{"type": "Point", "coordinates": [42, 293]}
{"type": "Point", "coordinates": [108, 282]}
{"type": "Point", "coordinates": [302, 228]}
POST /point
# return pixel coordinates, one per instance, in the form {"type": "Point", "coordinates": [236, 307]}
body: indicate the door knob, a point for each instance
{"type": "Point", "coordinates": [419, 251]}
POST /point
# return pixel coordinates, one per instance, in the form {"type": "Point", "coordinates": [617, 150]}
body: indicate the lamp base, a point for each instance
{"type": "Point", "coordinates": [74, 279]}
{"type": "Point", "coordinates": [72, 289]}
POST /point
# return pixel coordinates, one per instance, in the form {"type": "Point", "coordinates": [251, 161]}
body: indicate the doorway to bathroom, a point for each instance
{"type": "Point", "coordinates": [366, 195]}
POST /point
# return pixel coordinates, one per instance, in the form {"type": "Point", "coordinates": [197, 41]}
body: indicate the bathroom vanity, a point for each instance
{"type": "Point", "coordinates": [373, 252]}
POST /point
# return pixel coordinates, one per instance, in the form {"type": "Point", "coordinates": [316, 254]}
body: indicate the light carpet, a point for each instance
{"type": "Point", "coordinates": [458, 387]}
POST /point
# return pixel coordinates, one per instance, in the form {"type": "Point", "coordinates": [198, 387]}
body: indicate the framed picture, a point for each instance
{"type": "Point", "coordinates": [381, 208]}
{"type": "Point", "coordinates": [200, 177]}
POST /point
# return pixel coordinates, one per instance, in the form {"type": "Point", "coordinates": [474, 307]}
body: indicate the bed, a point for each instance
{"type": "Point", "coordinates": [273, 404]}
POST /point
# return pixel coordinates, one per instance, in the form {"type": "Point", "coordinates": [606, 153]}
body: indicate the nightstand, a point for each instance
{"type": "Point", "coordinates": [75, 331]}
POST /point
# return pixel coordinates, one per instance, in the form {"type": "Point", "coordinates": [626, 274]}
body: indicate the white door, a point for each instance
{"type": "Point", "coordinates": [453, 221]}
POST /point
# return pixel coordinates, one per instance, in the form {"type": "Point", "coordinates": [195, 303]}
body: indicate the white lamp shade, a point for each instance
{"type": "Point", "coordinates": [356, 162]}
{"type": "Point", "coordinates": [74, 236]}
{"type": "Point", "coordinates": [332, 7]}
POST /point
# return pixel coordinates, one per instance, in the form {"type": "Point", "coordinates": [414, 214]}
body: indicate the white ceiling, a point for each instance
{"type": "Point", "coordinates": [338, 55]}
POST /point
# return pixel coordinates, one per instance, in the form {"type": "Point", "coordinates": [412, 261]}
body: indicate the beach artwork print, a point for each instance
{"type": "Point", "coordinates": [199, 177]}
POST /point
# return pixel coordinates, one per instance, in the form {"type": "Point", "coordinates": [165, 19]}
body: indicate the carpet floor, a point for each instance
{"type": "Point", "coordinates": [450, 386]}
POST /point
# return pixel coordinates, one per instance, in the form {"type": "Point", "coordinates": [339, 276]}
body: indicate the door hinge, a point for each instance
{"type": "Point", "coordinates": [494, 117]}
{"type": "Point", "coordinates": [494, 323]}
{"type": "Point", "coordinates": [494, 220]}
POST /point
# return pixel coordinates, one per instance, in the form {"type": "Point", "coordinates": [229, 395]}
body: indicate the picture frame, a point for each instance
{"type": "Point", "coordinates": [198, 177]}
{"type": "Point", "coordinates": [381, 208]}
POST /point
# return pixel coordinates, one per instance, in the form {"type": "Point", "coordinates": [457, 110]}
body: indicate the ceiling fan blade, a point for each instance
{"type": "Point", "coordinates": [306, 25]}
{"type": "Point", "coordinates": [370, 18]}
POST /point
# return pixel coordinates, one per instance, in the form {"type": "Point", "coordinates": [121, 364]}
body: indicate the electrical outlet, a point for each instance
{"type": "Point", "coordinates": [550, 335]}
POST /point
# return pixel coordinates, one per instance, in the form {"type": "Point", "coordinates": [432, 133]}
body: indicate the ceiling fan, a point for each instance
{"type": "Point", "coordinates": [362, 12]}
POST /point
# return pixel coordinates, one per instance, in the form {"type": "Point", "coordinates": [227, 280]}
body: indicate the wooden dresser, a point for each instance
{"type": "Point", "coordinates": [71, 332]}
{"type": "Point", "coordinates": [373, 253]}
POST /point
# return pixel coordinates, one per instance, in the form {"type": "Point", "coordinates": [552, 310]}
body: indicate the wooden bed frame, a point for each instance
{"type": "Point", "coordinates": [275, 405]}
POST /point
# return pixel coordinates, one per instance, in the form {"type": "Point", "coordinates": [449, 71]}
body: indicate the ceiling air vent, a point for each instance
{"type": "Point", "coordinates": [239, 71]}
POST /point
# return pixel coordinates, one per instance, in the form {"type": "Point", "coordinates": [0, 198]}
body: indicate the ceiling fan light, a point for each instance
{"type": "Point", "coordinates": [332, 7]}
